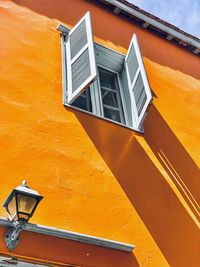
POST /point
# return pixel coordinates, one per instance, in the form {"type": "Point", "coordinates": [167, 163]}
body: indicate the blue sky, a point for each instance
{"type": "Point", "coordinates": [185, 14]}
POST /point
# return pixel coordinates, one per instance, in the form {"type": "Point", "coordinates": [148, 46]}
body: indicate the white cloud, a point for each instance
{"type": "Point", "coordinates": [184, 14]}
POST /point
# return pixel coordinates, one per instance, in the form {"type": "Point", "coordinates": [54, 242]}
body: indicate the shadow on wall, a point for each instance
{"type": "Point", "coordinates": [174, 158]}
{"type": "Point", "coordinates": [163, 214]}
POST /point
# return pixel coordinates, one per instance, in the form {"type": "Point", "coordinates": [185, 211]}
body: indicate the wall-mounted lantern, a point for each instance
{"type": "Point", "coordinates": [20, 206]}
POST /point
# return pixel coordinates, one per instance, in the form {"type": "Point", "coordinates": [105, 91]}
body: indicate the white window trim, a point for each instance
{"type": "Point", "coordinates": [64, 68]}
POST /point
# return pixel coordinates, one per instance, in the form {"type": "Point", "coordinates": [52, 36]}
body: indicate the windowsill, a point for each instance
{"type": "Point", "coordinates": [105, 119]}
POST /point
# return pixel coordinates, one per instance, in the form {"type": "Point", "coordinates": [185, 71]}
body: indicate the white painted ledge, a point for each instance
{"type": "Point", "coordinates": [46, 230]}
{"type": "Point", "coordinates": [13, 262]}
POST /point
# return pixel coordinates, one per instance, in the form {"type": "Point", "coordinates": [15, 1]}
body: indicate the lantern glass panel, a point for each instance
{"type": "Point", "coordinates": [23, 217]}
{"type": "Point", "coordinates": [25, 204]}
{"type": "Point", "coordinates": [12, 209]}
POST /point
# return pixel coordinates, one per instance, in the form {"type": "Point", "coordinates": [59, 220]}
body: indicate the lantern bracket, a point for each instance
{"type": "Point", "coordinates": [12, 235]}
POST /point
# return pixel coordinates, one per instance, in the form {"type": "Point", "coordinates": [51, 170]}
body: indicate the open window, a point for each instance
{"type": "Point", "coordinates": [101, 81]}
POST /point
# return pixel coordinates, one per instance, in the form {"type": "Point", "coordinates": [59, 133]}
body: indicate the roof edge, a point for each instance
{"type": "Point", "coordinates": [149, 19]}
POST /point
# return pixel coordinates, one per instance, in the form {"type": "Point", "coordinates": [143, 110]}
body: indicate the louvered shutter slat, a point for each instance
{"type": "Point", "coordinates": [132, 64]}
{"type": "Point", "coordinates": [81, 65]}
{"type": "Point", "coordinates": [138, 85]}
{"type": "Point", "coordinates": [80, 70]}
{"type": "Point", "coordinates": [78, 39]}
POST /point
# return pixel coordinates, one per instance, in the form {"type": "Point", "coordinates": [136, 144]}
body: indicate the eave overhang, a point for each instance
{"type": "Point", "coordinates": [154, 24]}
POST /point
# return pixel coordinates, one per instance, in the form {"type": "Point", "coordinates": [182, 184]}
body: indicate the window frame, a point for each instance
{"type": "Point", "coordinates": [123, 104]}
{"type": "Point", "coordinates": [97, 109]}
{"type": "Point", "coordinates": [95, 87]}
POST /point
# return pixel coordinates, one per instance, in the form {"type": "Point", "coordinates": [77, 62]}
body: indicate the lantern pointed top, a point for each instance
{"type": "Point", "coordinates": [24, 183]}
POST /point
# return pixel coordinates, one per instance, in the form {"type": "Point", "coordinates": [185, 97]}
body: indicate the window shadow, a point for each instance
{"type": "Point", "coordinates": [167, 220]}
{"type": "Point", "coordinates": [174, 159]}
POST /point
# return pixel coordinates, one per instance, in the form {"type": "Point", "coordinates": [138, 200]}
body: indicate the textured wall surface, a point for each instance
{"type": "Point", "coordinates": [96, 177]}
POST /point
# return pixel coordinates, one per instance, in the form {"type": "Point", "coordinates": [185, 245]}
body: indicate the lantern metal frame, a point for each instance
{"type": "Point", "coordinates": [19, 223]}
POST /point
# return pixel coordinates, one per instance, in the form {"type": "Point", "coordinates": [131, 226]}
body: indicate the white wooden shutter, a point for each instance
{"type": "Point", "coordinates": [138, 84]}
{"type": "Point", "coordinates": [81, 66]}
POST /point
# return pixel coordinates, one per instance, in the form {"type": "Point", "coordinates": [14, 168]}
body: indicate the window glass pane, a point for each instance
{"type": "Point", "coordinates": [107, 79]}
{"type": "Point", "coordinates": [12, 207]}
{"type": "Point", "coordinates": [112, 114]}
{"type": "Point", "coordinates": [110, 95]}
{"type": "Point", "coordinates": [84, 101]}
{"type": "Point", "coordinates": [109, 98]}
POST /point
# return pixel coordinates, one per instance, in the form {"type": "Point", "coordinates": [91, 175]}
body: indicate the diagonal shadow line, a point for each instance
{"type": "Point", "coordinates": [174, 159]}
{"type": "Point", "coordinates": [180, 185]}
{"type": "Point", "coordinates": [156, 203]}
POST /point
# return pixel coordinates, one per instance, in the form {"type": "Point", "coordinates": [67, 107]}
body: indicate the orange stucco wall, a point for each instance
{"type": "Point", "coordinates": [98, 178]}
